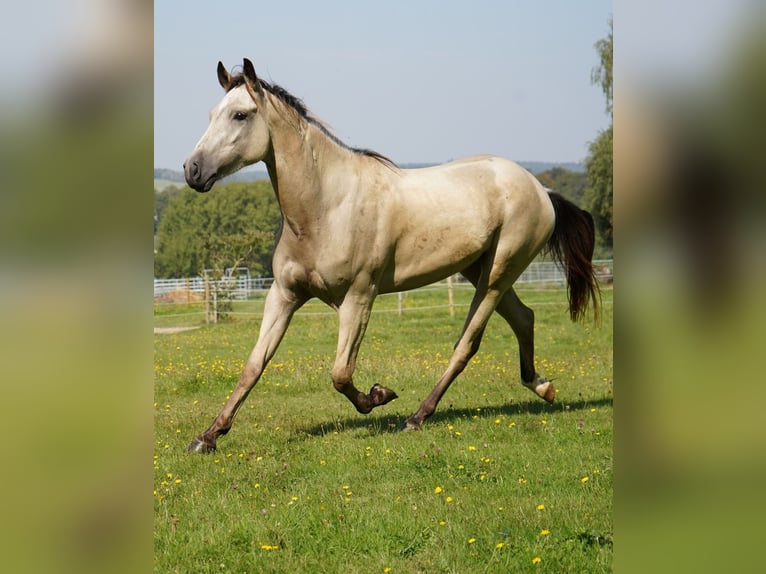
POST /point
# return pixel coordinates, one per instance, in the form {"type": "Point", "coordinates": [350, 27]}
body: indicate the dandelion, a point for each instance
{"type": "Point", "coordinates": [471, 540]}
{"type": "Point", "coordinates": [441, 522]}
{"type": "Point", "coordinates": [177, 481]}
{"type": "Point", "coordinates": [438, 490]}
{"type": "Point", "coordinates": [536, 560]}
{"type": "Point", "coordinates": [545, 532]}
{"type": "Point", "coordinates": [449, 499]}
{"type": "Point", "coordinates": [387, 569]}
{"type": "Point", "coordinates": [499, 545]}
{"type": "Point", "coordinates": [540, 507]}
{"type": "Point", "coordinates": [584, 479]}
{"type": "Point", "coordinates": [269, 547]}
{"type": "Point", "coordinates": [471, 447]}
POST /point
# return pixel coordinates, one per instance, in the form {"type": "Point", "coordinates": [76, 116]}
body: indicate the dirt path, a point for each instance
{"type": "Point", "coordinates": [170, 330]}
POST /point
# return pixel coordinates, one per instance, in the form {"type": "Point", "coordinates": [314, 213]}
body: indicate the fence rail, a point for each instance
{"type": "Point", "coordinates": [243, 286]}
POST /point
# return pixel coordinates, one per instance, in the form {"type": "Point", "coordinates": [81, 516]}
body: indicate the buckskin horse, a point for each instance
{"type": "Point", "coordinates": [354, 225]}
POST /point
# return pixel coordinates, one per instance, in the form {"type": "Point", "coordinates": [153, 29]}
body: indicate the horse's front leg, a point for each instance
{"type": "Point", "coordinates": [354, 314]}
{"type": "Point", "coordinates": [279, 308]}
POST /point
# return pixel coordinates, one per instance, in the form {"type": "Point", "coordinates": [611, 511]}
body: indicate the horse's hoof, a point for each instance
{"type": "Point", "coordinates": [542, 388]}
{"type": "Point", "coordinates": [200, 446]}
{"type": "Point", "coordinates": [411, 425]}
{"type": "Point", "coordinates": [550, 393]}
{"type": "Point", "coordinates": [381, 395]}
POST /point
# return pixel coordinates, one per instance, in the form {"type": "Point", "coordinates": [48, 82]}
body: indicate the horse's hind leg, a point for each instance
{"type": "Point", "coordinates": [482, 306]}
{"type": "Point", "coordinates": [522, 320]}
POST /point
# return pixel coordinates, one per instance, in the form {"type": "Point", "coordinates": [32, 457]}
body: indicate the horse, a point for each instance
{"type": "Point", "coordinates": [355, 225]}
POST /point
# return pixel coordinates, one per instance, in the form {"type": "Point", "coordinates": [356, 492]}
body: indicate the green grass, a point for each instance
{"type": "Point", "coordinates": [305, 484]}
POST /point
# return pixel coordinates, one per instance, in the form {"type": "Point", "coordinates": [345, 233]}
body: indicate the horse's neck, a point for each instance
{"type": "Point", "coordinates": [301, 167]}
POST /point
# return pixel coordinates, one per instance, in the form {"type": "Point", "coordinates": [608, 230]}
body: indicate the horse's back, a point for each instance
{"type": "Point", "coordinates": [480, 192]}
{"type": "Point", "coordinates": [447, 216]}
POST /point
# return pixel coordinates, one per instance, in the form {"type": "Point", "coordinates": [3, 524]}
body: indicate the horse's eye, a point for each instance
{"type": "Point", "coordinates": [240, 116]}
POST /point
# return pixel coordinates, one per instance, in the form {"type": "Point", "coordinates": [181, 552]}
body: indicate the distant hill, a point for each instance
{"type": "Point", "coordinates": [541, 166]}
{"type": "Point", "coordinates": [165, 177]}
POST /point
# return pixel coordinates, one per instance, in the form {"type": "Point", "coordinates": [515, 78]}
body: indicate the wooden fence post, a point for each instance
{"type": "Point", "coordinates": [207, 299]}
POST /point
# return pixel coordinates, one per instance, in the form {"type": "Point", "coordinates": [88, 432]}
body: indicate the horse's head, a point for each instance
{"type": "Point", "coordinates": [238, 134]}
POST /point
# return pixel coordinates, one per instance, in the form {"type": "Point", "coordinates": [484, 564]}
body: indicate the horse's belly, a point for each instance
{"type": "Point", "coordinates": [424, 258]}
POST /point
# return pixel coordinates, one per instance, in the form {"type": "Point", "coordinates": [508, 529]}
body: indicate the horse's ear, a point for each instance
{"type": "Point", "coordinates": [249, 72]}
{"type": "Point", "coordinates": [223, 76]}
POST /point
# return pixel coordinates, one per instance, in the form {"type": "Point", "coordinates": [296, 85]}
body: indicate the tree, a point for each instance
{"type": "Point", "coordinates": [598, 165]}
{"type": "Point", "coordinates": [602, 74]}
{"type": "Point", "coordinates": [234, 225]}
{"type": "Point", "coordinates": [570, 184]}
{"type": "Point", "coordinates": [161, 200]}
{"type": "Point", "coordinates": [598, 198]}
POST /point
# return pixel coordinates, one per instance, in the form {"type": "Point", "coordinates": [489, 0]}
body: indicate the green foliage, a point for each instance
{"type": "Point", "coordinates": [570, 184]}
{"type": "Point", "coordinates": [598, 165]}
{"type": "Point", "coordinates": [598, 198]}
{"type": "Point", "coordinates": [602, 74]}
{"type": "Point", "coordinates": [495, 480]}
{"type": "Point", "coordinates": [161, 200]}
{"type": "Point", "coordinates": [233, 225]}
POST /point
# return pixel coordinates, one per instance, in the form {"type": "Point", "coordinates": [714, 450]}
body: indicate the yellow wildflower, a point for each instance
{"type": "Point", "coordinates": [438, 490]}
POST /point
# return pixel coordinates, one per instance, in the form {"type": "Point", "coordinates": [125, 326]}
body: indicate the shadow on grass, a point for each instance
{"type": "Point", "coordinates": [381, 423]}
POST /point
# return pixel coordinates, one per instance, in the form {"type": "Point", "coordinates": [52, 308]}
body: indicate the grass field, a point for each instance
{"type": "Point", "coordinates": [497, 480]}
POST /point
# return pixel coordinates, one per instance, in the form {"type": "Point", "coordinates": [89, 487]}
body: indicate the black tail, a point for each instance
{"type": "Point", "coordinates": [571, 244]}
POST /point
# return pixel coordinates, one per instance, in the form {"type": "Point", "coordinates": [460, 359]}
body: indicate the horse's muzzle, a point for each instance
{"type": "Point", "coordinates": [196, 176]}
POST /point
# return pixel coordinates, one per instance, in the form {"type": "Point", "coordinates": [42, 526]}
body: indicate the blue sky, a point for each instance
{"type": "Point", "coordinates": [417, 80]}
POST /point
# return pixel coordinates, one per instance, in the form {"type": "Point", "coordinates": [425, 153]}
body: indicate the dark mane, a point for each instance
{"type": "Point", "coordinates": [300, 108]}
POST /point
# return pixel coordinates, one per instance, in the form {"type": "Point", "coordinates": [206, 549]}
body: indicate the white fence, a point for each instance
{"type": "Point", "coordinates": [241, 287]}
